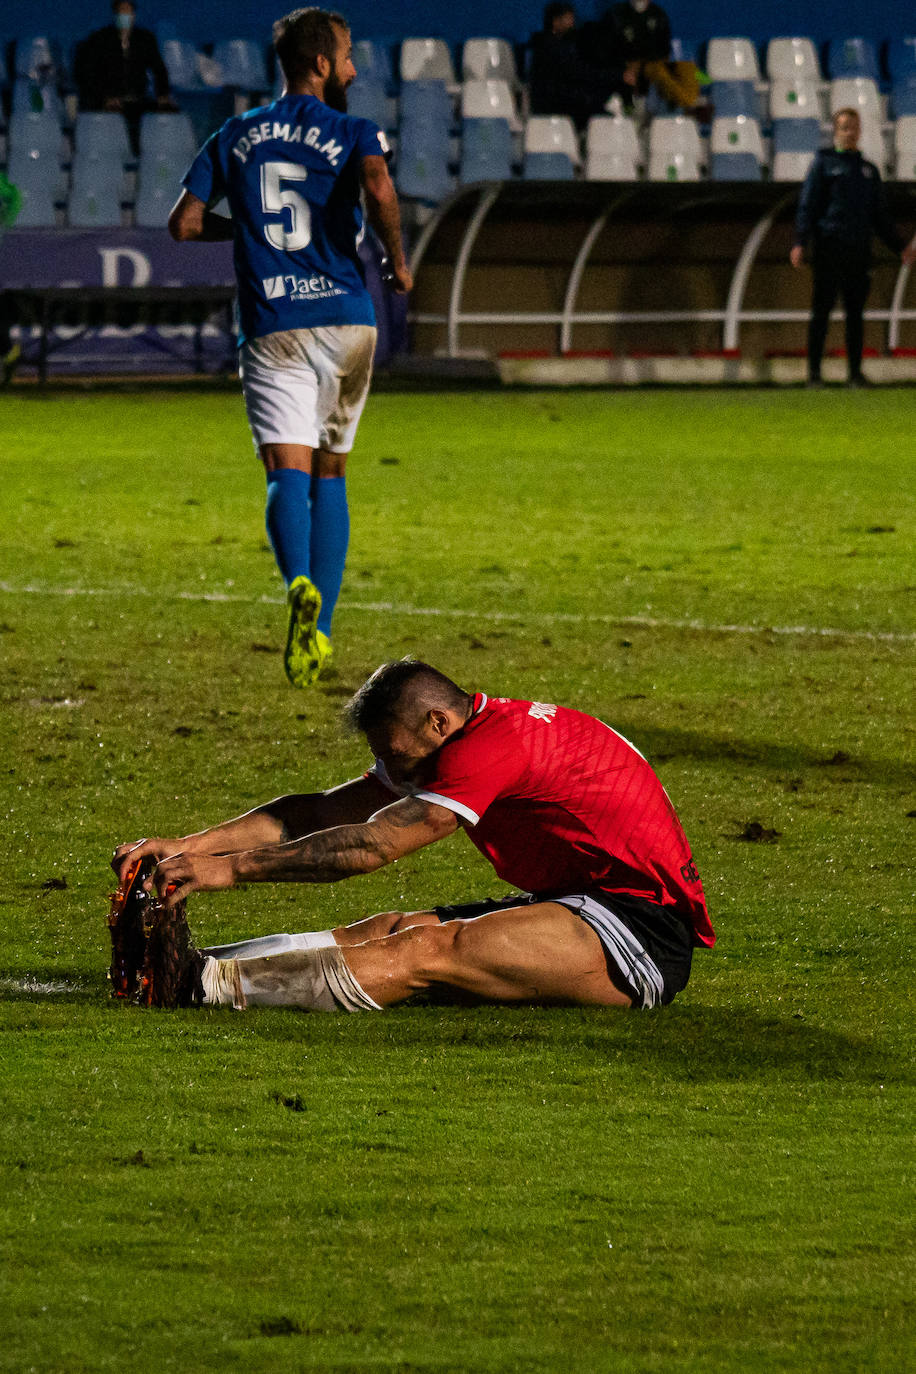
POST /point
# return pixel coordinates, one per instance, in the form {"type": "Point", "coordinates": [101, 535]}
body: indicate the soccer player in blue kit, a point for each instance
{"type": "Point", "coordinates": [292, 173]}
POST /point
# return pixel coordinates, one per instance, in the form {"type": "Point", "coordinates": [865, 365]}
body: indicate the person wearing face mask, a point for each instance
{"type": "Point", "coordinates": [840, 208]}
{"type": "Point", "coordinates": [116, 66]}
{"type": "Point", "coordinates": [639, 33]}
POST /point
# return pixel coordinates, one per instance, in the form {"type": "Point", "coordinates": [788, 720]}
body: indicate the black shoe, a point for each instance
{"type": "Point", "coordinates": [128, 924]}
{"type": "Point", "coordinates": [860, 382]}
{"type": "Point", "coordinates": [170, 976]}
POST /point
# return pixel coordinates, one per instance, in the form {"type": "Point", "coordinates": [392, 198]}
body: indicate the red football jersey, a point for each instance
{"type": "Point", "coordinates": [559, 802]}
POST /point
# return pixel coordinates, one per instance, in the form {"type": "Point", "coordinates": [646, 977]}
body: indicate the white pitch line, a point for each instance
{"type": "Point", "coordinates": [636, 622]}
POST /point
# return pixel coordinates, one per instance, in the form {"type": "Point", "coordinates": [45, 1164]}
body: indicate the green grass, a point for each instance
{"type": "Point", "coordinates": [723, 1185]}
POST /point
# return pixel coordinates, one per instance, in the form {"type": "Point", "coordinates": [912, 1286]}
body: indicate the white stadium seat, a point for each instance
{"type": "Point", "coordinates": [488, 59]}
{"type": "Point", "coordinates": [675, 149]}
{"type": "Point", "coordinates": [905, 148]}
{"type": "Point", "coordinates": [794, 98]}
{"type": "Point", "coordinates": [426, 59]}
{"type": "Point", "coordinates": [791, 59]}
{"type": "Point", "coordinates": [552, 134]}
{"type": "Point", "coordinates": [489, 100]}
{"type": "Point", "coordinates": [612, 149]}
{"type": "Point", "coordinates": [791, 166]}
{"type": "Point", "coordinates": [732, 59]}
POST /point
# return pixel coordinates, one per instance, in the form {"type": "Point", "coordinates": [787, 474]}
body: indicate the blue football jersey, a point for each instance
{"type": "Point", "coordinates": [290, 174]}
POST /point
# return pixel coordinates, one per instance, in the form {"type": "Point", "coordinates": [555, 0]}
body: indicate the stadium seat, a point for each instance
{"type": "Point", "coordinates": [35, 134]}
{"type": "Point", "coordinates": [848, 57]}
{"type": "Point", "coordinates": [95, 193]}
{"type": "Point", "coordinates": [796, 136]}
{"type": "Point", "coordinates": [366, 99]}
{"type": "Point", "coordinates": [736, 149]}
{"type": "Point", "coordinates": [180, 58]}
{"type": "Point", "coordinates": [103, 135]}
{"type": "Point", "coordinates": [36, 97]}
{"type": "Point", "coordinates": [37, 58]}
{"type": "Point", "coordinates": [900, 59]}
{"type": "Point", "coordinates": [487, 99]}
{"type": "Point", "coordinates": [551, 148]}
{"type": "Point", "coordinates": [612, 150]}
{"type": "Point", "coordinates": [426, 59]}
{"type": "Point", "coordinates": [426, 102]}
{"type": "Point", "coordinates": [733, 98]}
{"type": "Point", "coordinates": [38, 180]}
{"type": "Point", "coordinates": [486, 150]}
{"type": "Point", "coordinates": [792, 59]}
{"type": "Point", "coordinates": [732, 59]}
{"type": "Point", "coordinates": [905, 148]}
{"type": "Point", "coordinates": [488, 59]}
{"type": "Point", "coordinates": [241, 62]}
{"type": "Point", "coordinates": [903, 97]}
{"type": "Point", "coordinates": [167, 135]}
{"type": "Point", "coordinates": [791, 166]}
{"type": "Point", "coordinates": [158, 186]}
{"type": "Point", "coordinates": [422, 171]}
{"type": "Point", "coordinates": [675, 149]}
{"type": "Point", "coordinates": [794, 98]}
{"type": "Point", "coordinates": [372, 58]}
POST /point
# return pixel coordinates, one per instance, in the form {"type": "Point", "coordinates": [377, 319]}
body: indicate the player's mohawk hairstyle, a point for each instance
{"type": "Point", "coordinates": [302, 36]}
{"type": "Point", "coordinates": [403, 684]}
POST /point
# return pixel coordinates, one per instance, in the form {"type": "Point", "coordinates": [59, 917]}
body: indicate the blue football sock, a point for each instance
{"type": "Point", "coordinates": [330, 537]}
{"type": "Point", "coordinates": [289, 520]}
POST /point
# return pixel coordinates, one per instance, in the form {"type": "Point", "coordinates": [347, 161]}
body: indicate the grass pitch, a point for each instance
{"type": "Point", "coordinates": [727, 578]}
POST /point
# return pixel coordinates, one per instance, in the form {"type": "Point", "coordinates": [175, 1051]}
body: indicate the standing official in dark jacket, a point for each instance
{"type": "Point", "coordinates": [840, 208]}
{"type": "Point", "coordinates": [115, 67]}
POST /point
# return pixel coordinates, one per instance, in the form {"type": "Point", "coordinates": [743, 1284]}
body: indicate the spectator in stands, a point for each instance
{"type": "Point", "coordinates": [116, 65]}
{"type": "Point", "coordinates": [840, 208]}
{"type": "Point", "coordinates": [637, 35]}
{"type": "Point", "coordinates": [562, 79]}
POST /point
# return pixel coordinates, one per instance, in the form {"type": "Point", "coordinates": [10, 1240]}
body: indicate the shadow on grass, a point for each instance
{"type": "Point", "coordinates": [660, 744]}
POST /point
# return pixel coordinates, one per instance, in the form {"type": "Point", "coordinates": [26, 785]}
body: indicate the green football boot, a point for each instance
{"type": "Point", "coordinates": [307, 649]}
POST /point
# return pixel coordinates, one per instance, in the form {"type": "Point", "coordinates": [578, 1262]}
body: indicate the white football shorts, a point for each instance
{"type": "Point", "coordinates": [308, 386]}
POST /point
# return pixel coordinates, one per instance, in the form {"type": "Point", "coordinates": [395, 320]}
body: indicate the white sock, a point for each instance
{"type": "Point", "coordinates": [221, 983]}
{"type": "Point", "coordinates": [316, 980]}
{"type": "Point", "coordinates": [263, 946]}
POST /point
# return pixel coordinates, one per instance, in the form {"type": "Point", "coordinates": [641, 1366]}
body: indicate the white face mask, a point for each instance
{"type": "Point", "coordinates": [639, 5]}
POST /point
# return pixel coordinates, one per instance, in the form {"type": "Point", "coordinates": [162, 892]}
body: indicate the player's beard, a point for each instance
{"type": "Point", "coordinates": [335, 94]}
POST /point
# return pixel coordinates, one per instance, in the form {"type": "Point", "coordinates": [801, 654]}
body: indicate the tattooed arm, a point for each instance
{"type": "Point", "coordinates": [323, 857]}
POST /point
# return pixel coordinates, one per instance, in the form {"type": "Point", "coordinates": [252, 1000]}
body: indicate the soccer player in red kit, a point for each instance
{"type": "Point", "coordinates": [611, 904]}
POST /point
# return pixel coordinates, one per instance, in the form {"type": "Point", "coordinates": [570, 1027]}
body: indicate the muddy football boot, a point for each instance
{"type": "Point", "coordinates": [170, 976]}
{"type": "Point", "coordinates": [305, 654]}
{"type": "Point", "coordinates": [128, 925]}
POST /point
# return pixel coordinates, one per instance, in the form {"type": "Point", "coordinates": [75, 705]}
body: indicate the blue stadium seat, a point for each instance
{"type": "Point", "coordinates": [736, 149]}
{"type": "Point", "coordinates": [37, 57]}
{"type": "Point", "coordinates": [734, 167]}
{"type": "Point", "coordinates": [900, 59]}
{"type": "Point", "coordinates": [242, 64]}
{"type": "Point", "coordinates": [796, 136]}
{"type": "Point", "coordinates": [34, 133]}
{"type": "Point", "coordinates": [426, 102]}
{"type": "Point", "coordinates": [903, 97]}
{"type": "Point", "coordinates": [366, 99]}
{"type": "Point", "coordinates": [103, 135]}
{"type": "Point", "coordinates": [36, 97]}
{"type": "Point", "coordinates": [852, 57]}
{"type": "Point", "coordinates": [372, 58]}
{"type": "Point", "coordinates": [548, 167]}
{"type": "Point", "coordinates": [95, 195]}
{"type": "Point", "coordinates": [422, 174]}
{"type": "Point", "coordinates": [38, 181]}
{"type": "Point", "coordinates": [158, 186]}
{"type": "Point", "coordinates": [180, 58]}
{"type": "Point", "coordinates": [486, 150]}
{"type": "Point", "coordinates": [168, 135]}
{"type": "Point", "coordinates": [733, 98]}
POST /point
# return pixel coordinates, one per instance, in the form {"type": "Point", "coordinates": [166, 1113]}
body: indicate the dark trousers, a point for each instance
{"type": "Point", "coordinates": [838, 270]}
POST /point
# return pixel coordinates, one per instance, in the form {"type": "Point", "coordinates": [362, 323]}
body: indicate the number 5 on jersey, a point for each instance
{"type": "Point", "coordinates": [276, 198]}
